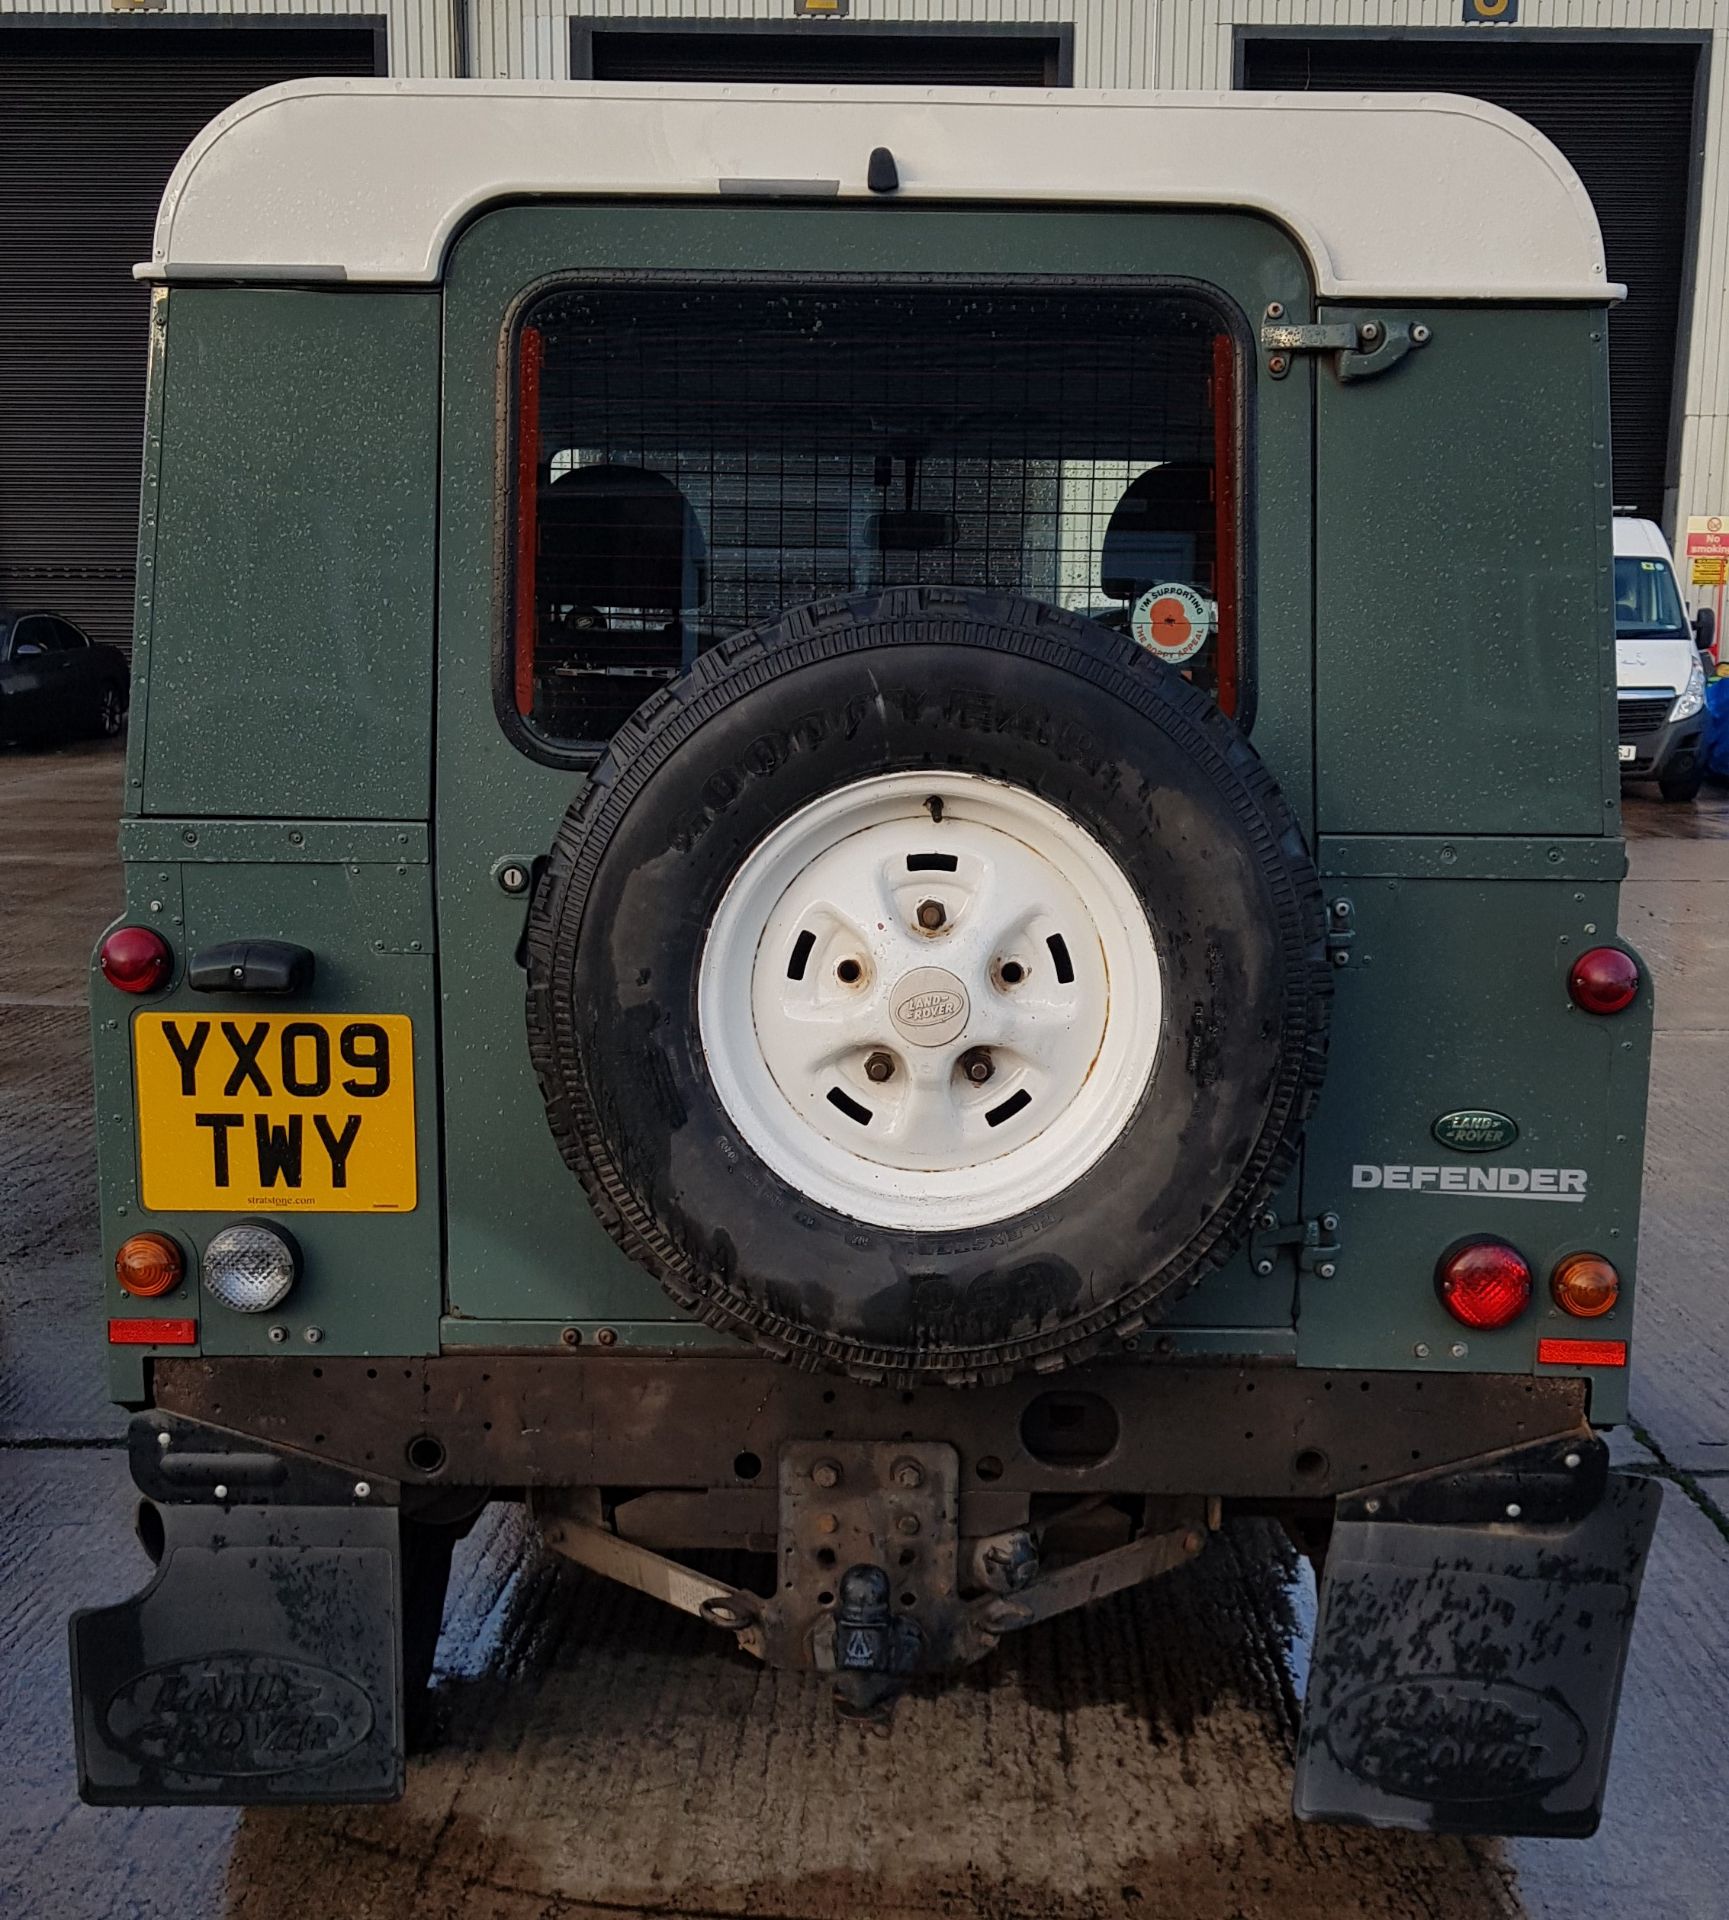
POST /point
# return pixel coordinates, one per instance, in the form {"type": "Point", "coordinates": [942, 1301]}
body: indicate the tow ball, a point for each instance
{"type": "Point", "coordinates": [873, 1652]}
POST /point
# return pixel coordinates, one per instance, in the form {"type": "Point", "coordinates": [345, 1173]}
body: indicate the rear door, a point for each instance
{"type": "Point", "coordinates": [518, 730]}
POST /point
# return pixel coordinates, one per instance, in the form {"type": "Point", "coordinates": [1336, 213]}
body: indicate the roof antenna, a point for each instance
{"type": "Point", "coordinates": [882, 176]}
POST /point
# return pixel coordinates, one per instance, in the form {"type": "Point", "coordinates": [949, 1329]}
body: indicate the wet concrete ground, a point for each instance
{"type": "Point", "coordinates": [605, 1757]}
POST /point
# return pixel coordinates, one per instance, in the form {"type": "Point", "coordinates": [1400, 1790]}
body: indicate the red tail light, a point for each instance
{"type": "Point", "coordinates": [1484, 1283]}
{"type": "Point", "coordinates": [1605, 980]}
{"type": "Point", "coordinates": [136, 959]}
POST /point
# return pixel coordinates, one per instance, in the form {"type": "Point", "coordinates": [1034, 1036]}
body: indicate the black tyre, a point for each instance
{"type": "Point", "coordinates": [1023, 1202]}
{"type": "Point", "coordinates": [1683, 778]}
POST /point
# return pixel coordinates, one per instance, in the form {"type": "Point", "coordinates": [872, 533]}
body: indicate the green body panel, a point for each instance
{"type": "Point", "coordinates": [370, 1282]}
{"type": "Point", "coordinates": [1455, 996]}
{"type": "Point", "coordinates": [286, 618]}
{"type": "Point", "coordinates": [1434, 689]}
{"type": "Point", "coordinates": [522, 1242]}
{"type": "Point", "coordinates": [1464, 644]}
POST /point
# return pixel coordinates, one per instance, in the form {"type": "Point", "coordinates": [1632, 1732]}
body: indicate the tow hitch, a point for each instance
{"type": "Point", "coordinates": [874, 1583]}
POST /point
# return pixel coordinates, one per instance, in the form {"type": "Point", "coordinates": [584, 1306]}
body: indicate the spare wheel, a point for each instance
{"type": "Point", "coordinates": [931, 984]}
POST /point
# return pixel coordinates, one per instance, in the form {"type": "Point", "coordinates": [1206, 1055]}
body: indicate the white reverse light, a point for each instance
{"type": "Point", "coordinates": [250, 1266]}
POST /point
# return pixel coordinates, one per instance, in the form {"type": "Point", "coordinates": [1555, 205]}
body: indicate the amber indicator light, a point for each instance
{"type": "Point", "coordinates": [1582, 1353]}
{"type": "Point", "coordinates": [152, 1333]}
{"type": "Point", "coordinates": [1585, 1285]}
{"type": "Point", "coordinates": [1605, 980]}
{"type": "Point", "coordinates": [149, 1264]}
{"type": "Point", "coordinates": [1484, 1283]}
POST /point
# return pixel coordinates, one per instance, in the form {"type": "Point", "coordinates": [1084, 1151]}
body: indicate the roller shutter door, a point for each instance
{"type": "Point", "coordinates": [822, 53]}
{"type": "Point", "coordinates": [1621, 110]}
{"type": "Point", "coordinates": [94, 118]}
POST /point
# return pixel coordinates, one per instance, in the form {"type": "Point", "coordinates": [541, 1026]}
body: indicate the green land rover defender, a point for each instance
{"type": "Point", "coordinates": [872, 842]}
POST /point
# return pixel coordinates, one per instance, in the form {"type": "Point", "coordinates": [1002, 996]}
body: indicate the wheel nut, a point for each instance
{"type": "Point", "coordinates": [977, 1065]}
{"type": "Point", "coordinates": [931, 915]}
{"type": "Point", "coordinates": [826, 1474]}
{"type": "Point", "coordinates": [880, 1066]}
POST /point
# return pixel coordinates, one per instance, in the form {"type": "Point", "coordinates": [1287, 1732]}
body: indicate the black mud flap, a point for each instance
{"type": "Point", "coordinates": [1468, 1653]}
{"type": "Point", "coordinates": [262, 1665]}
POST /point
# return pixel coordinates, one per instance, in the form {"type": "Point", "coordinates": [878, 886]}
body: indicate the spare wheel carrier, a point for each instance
{"type": "Point", "coordinates": [930, 984]}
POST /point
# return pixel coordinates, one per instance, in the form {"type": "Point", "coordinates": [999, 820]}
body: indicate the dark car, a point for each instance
{"type": "Point", "coordinates": [56, 680]}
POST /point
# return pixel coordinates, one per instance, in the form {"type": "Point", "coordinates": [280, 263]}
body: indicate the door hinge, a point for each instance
{"type": "Point", "coordinates": [1314, 1243]}
{"type": "Point", "coordinates": [1341, 932]}
{"type": "Point", "coordinates": [1360, 348]}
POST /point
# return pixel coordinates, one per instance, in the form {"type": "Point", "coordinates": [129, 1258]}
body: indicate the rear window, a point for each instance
{"type": "Point", "coordinates": [688, 462]}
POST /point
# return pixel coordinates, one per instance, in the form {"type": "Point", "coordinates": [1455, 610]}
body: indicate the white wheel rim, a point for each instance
{"type": "Point", "coordinates": [796, 1040]}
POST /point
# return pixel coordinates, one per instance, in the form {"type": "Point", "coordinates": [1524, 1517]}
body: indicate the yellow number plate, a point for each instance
{"type": "Point", "coordinates": [249, 1113]}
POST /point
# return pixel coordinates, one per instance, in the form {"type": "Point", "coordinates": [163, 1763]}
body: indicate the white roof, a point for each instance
{"type": "Point", "coordinates": [1641, 539]}
{"type": "Point", "coordinates": [1392, 196]}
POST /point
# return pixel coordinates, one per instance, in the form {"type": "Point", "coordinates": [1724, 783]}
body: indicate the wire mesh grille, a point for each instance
{"type": "Point", "coordinates": [708, 457]}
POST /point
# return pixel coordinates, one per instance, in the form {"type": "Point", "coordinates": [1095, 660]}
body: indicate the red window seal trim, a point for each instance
{"type": "Point", "coordinates": [530, 355]}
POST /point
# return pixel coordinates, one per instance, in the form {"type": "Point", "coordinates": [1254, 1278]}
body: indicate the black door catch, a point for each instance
{"type": "Point", "coordinates": [250, 966]}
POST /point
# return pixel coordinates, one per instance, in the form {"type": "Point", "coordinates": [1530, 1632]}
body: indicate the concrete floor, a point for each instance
{"type": "Point", "coordinates": [605, 1757]}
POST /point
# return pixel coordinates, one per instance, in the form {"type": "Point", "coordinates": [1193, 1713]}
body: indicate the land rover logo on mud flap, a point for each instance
{"type": "Point", "coordinates": [1453, 1739]}
{"type": "Point", "coordinates": [226, 1715]}
{"type": "Point", "coordinates": [1475, 1130]}
{"type": "Point", "coordinates": [929, 1007]}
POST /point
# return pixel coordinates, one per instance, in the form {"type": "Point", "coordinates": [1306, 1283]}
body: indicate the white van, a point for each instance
{"type": "Point", "coordinates": [1659, 664]}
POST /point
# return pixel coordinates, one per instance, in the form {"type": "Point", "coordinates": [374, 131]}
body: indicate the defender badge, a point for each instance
{"type": "Point", "coordinates": [1475, 1130]}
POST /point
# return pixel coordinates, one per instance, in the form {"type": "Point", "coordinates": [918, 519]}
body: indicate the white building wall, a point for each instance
{"type": "Point", "coordinates": [1117, 43]}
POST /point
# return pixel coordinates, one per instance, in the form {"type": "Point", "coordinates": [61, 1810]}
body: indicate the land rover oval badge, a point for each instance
{"type": "Point", "coordinates": [1475, 1130]}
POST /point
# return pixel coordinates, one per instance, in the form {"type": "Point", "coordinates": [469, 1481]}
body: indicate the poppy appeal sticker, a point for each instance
{"type": "Point", "coordinates": [1173, 621]}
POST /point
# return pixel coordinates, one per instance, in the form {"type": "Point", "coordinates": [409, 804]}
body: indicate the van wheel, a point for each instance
{"type": "Point", "coordinates": [1684, 778]}
{"type": "Point", "coordinates": [931, 984]}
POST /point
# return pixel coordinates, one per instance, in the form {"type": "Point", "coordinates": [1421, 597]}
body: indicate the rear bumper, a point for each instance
{"type": "Point", "coordinates": [1474, 1615]}
{"type": "Point", "coordinates": [1246, 1432]}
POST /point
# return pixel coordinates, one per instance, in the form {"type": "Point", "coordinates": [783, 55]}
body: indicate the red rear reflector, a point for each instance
{"type": "Point", "coordinates": [1582, 1353]}
{"type": "Point", "coordinates": [152, 1333]}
